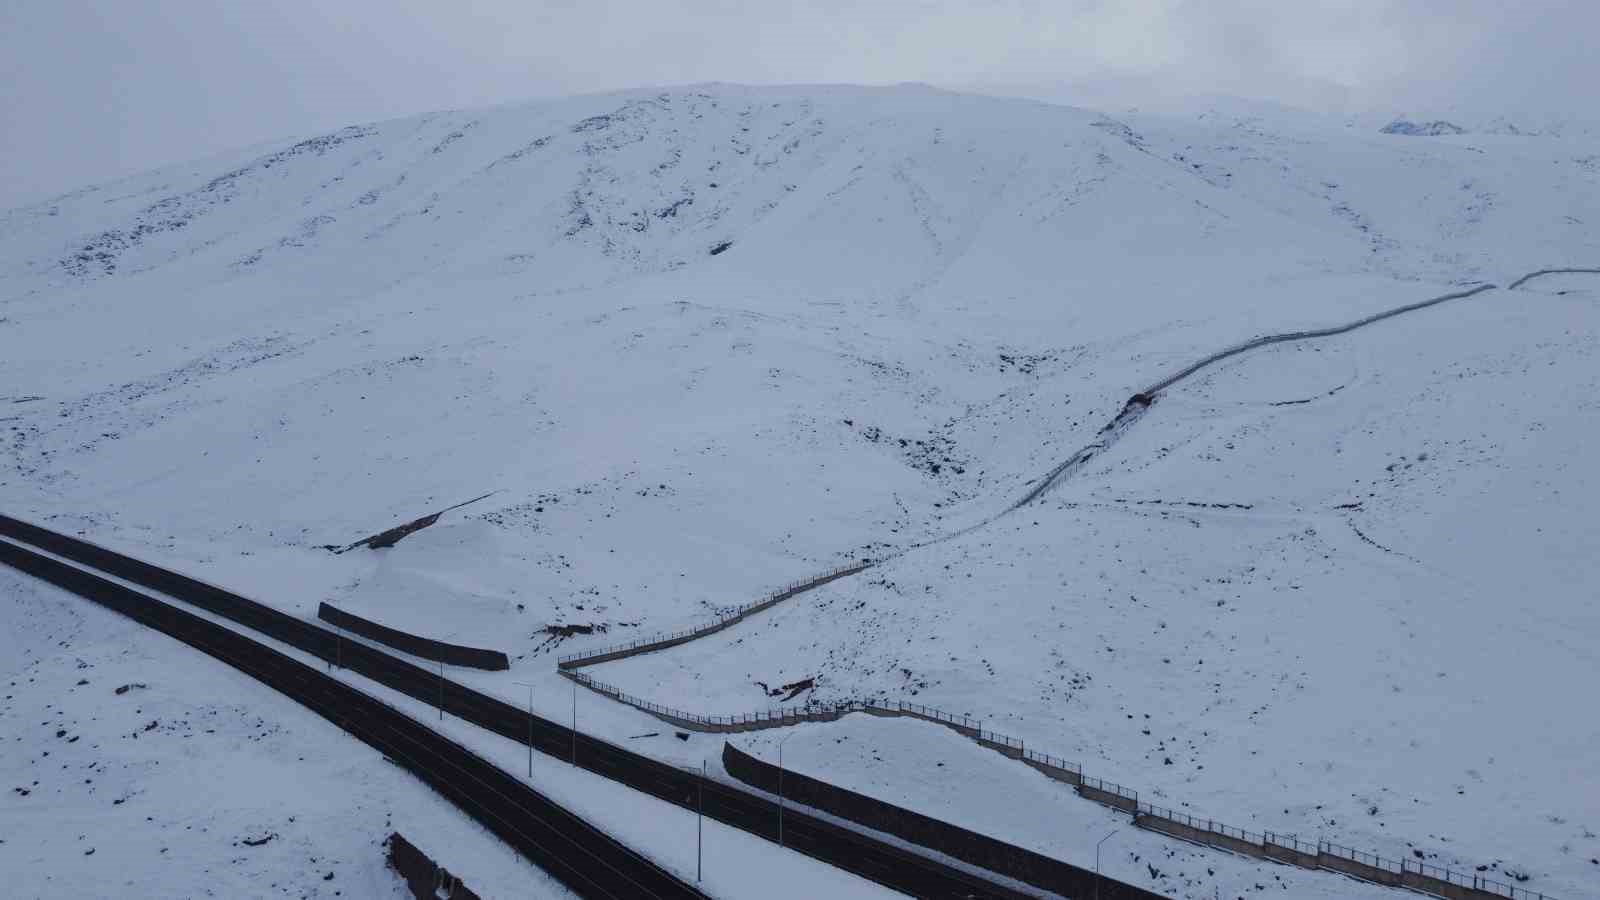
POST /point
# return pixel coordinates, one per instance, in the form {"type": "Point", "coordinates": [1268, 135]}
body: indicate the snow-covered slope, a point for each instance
{"type": "Point", "coordinates": [708, 340]}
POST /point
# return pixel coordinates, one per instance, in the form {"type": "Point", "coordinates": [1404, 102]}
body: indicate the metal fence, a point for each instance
{"type": "Point", "coordinates": [928, 712]}
{"type": "Point", "coordinates": [1054, 762]}
{"type": "Point", "coordinates": [1110, 787]}
{"type": "Point", "coordinates": [1001, 739]}
{"type": "Point", "coordinates": [647, 641]}
{"type": "Point", "coordinates": [1476, 882]}
{"type": "Point", "coordinates": [773, 718]}
{"type": "Point", "coordinates": [1366, 859]}
{"type": "Point", "coordinates": [1291, 842]}
{"type": "Point", "coordinates": [1198, 824]}
{"type": "Point", "coordinates": [720, 622]}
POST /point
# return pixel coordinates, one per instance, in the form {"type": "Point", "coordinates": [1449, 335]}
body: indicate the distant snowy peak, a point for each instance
{"type": "Point", "coordinates": [1526, 124]}
{"type": "Point", "coordinates": [1422, 129]}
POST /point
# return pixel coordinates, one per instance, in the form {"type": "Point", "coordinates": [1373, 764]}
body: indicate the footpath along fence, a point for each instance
{"type": "Point", "coordinates": [663, 641]}
{"type": "Point", "coordinates": [1287, 849]}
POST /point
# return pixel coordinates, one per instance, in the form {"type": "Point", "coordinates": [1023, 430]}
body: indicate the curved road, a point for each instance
{"type": "Point", "coordinates": [582, 857]}
{"type": "Point", "coordinates": [884, 863]}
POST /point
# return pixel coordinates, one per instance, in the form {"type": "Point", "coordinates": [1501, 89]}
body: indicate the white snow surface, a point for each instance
{"type": "Point", "coordinates": [1346, 587]}
{"type": "Point", "coordinates": [327, 811]}
{"type": "Point", "coordinates": [153, 792]}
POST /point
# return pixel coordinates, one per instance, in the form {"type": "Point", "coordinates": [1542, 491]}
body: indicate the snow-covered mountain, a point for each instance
{"type": "Point", "coordinates": [707, 340]}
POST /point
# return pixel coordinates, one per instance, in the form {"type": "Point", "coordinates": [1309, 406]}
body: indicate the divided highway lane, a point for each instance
{"type": "Point", "coordinates": [884, 863]}
{"type": "Point", "coordinates": [581, 856]}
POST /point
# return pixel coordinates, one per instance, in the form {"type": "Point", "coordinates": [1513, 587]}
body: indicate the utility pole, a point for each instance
{"type": "Point", "coordinates": [780, 786]}
{"type": "Point", "coordinates": [1097, 863]}
{"type": "Point", "coordinates": [530, 724]}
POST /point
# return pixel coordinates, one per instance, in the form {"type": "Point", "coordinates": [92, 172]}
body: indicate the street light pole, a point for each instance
{"type": "Point", "coordinates": [780, 786]}
{"type": "Point", "coordinates": [530, 724]}
{"type": "Point", "coordinates": [1097, 862]}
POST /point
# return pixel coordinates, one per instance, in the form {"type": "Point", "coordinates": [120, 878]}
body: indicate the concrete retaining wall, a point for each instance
{"type": "Point", "coordinates": [1107, 798]}
{"type": "Point", "coordinates": [1006, 749]}
{"type": "Point", "coordinates": [1056, 772]}
{"type": "Point", "coordinates": [416, 645]}
{"type": "Point", "coordinates": [426, 879]}
{"type": "Point", "coordinates": [1335, 863]}
{"type": "Point", "coordinates": [1198, 835]}
{"type": "Point", "coordinates": [970, 847]}
{"type": "Point", "coordinates": [1290, 855]}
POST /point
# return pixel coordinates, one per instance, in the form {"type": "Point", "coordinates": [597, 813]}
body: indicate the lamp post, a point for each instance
{"type": "Point", "coordinates": [1097, 862]}
{"type": "Point", "coordinates": [780, 785]}
{"type": "Point", "coordinates": [530, 724]}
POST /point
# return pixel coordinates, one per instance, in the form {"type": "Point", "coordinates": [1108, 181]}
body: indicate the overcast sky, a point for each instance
{"type": "Point", "coordinates": [93, 89]}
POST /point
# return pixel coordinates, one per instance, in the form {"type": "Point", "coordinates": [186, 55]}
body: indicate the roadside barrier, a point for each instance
{"type": "Point", "coordinates": [427, 879]}
{"type": "Point", "coordinates": [416, 645]}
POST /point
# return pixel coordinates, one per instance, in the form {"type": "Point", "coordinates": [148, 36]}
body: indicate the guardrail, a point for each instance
{"type": "Point", "coordinates": [663, 641]}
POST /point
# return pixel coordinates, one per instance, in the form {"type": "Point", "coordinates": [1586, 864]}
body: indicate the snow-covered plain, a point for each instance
{"type": "Point", "coordinates": [136, 767]}
{"type": "Point", "coordinates": [709, 340]}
